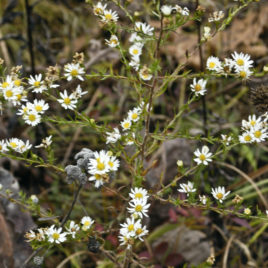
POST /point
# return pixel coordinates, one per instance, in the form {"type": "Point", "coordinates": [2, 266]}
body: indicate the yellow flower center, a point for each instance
{"type": "Point", "coordinates": [138, 208]}
{"type": "Point", "coordinates": [97, 176]}
{"type": "Point", "coordinates": [240, 62]}
{"type": "Point", "coordinates": [1, 147]}
{"type": "Point", "coordinates": [247, 138]}
{"type": "Point", "coordinates": [74, 72]}
{"type": "Point", "coordinates": [212, 65]}
{"type": "Point", "coordinates": [100, 166]}
{"type": "Point", "coordinates": [219, 195]}
{"type": "Point", "coordinates": [126, 125]}
{"type": "Point", "coordinates": [25, 109]}
{"type": "Point", "coordinates": [243, 74]}
{"type": "Point", "coordinates": [138, 231]}
{"type": "Point", "coordinates": [108, 16]}
{"type": "Point", "coordinates": [138, 195]}
{"type": "Point", "coordinates": [67, 101]}
{"type": "Point", "coordinates": [38, 108]}
{"type": "Point", "coordinates": [253, 123]}
{"type": "Point", "coordinates": [111, 164]}
{"type": "Point", "coordinates": [55, 236]}
{"type": "Point", "coordinates": [13, 144]}
{"type": "Point", "coordinates": [135, 51]}
{"type": "Point", "coordinates": [17, 82]}
{"type": "Point", "coordinates": [98, 10]}
{"type": "Point", "coordinates": [5, 84]}
{"type": "Point", "coordinates": [134, 116]}
{"type": "Point", "coordinates": [202, 157]}
{"type": "Point", "coordinates": [197, 87]}
{"type": "Point", "coordinates": [36, 83]}
{"type": "Point", "coordinates": [114, 41]}
{"type": "Point", "coordinates": [86, 223]}
{"type": "Point", "coordinates": [130, 227]}
{"type": "Point", "coordinates": [9, 93]}
{"type": "Point", "coordinates": [257, 134]}
{"type": "Point", "coordinates": [31, 117]}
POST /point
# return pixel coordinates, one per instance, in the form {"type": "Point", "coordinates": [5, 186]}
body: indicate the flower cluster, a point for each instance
{"type": "Point", "coordinates": [240, 63]}
{"type": "Point", "coordinates": [100, 165]}
{"type": "Point", "coordinates": [56, 235]}
{"type": "Point", "coordinates": [14, 144]}
{"type": "Point", "coordinates": [254, 130]}
{"type": "Point", "coordinates": [167, 10]}
{"type": "Point", "coordinates": [106, 16]}
{"type": "Point", "coordinates": [216, 16]}
{"type": "Point", "coordinates": [132, 229]}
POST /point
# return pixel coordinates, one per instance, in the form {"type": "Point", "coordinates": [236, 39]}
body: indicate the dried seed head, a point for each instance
{"type": "Point", "coordinates": [15, 70]}
{"type": "Point", "coordinates": [79, 58]}
{"type": "Point", "coordinates": [259, 97]}
{"type": "Point", "coordinates": [52, 73]}
{"type": "Point", "coordinates": [1, 61]}
{"type": "Point", "coordinates": [238, 199]}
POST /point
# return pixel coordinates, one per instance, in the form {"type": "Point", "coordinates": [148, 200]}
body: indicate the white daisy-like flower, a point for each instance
{"type": "Point", "coordinates": [20, 96]}
{"type": "Point", "coordinates": [98, 9]}
{"type": "Point", "coordinates": [140, 232]}
{"type": "Point", "coordinates": [37, 84]}
{"type": "Point", "coordinates": [99, 164]}
{"type": "Point", "coordinates": [74, 70]}
{"type": "Point", "coordinates": [139, 193]}
{"type": "Point", "coordinates": [203, 199]}
{"type": "Point", "coordinates": [109, 16]}
{"type": "Point", "coordinates": [8, 82]}
{"type": "Point", "coordinates": [67, 101]}
{"type": "Point", "coordinates": [46, 142]}
{"type": "Point", "coordinates": [247, 211]}
{"type": "Point", "coordinates": [226, 139]}
{"type": "Point", "coordinates": [166, 10]}
{"type": "Point", "coordinates": [145, 74]}
{"type": "Point", "coordinates": [259, 134]}
{"type": "Point", "coordinates": [32, 117]}
{"type": "Point", "coordinates": [130, 139]}
{"type": "Point", "coordinates": [99, 179]}
{"type": "Point", "coordinates": [203, 156]}
{"type": "Point", "coordinates": [126, 124]}
{"type": "Point", "coordinates": [87, 222]}
{"type": "Point", "coordinates": [24, 146]}
{"type": "Point", "coordinates": [199, 87]}
{"type": "Point", "coordinates": [10, 93]}
{"type": "Point", "coordinates": [135, 50]}
{"type": "Point", "coordinates": [135, 38]}
{"type": "Point", "coordinates": [214, 64]}
{"type": "Point", "coordinates": [40, 106]}
{"type": "Point", "coordinates": [252, 122]}
{"type": "Point", "coordinates": [125, 238]}
{"type": "Point", "coordinates": [72, 229]}
{"type": "Point", "coordinates": [242, 61]}
{"type": "Point", "coordinates": [246, 137]}
{"type": "Point", "coordinates": [219, 193]}
{"type": "Point", "coordinates": [34, 198]}
{"type": "Point", "coordinates": [113, 163]}
{"type": "Point", "coordinates": [113, 137]}
{"type": "Point", "coordinates": [185, 11]}
{"type": "Point", "coordinates": [134, 115]}
{"type": "Point", "coordinates": [138, 207]}
{"type": "Point", "coordinates": [130, 225]}
{"type": "Point", "coordinates": [135, 63]}
{"type": "Point", "coordinates": [30, 236]}
{"type": "Point", "coordinates": [18, 145]}
{"type": "Point", "coordinates": [113, 41]}
{"type": "Point", "coordinates": [55, 235]}
{"type": "Point", "coordinates": [78, 93]}
{"type": "Point", "coordinates": [3, 146]}
{"type": "Point", "coordinates": [243, 73]}
{"type": "Point", "coordinates": [187, 188]}
{"type": "Point", "coordinates": [144, 28]}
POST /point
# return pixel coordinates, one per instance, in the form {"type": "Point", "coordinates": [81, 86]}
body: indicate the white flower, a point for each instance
{"type": "Point", "coordinates": [1, 186]}
{"type": "Point", "coordinates": [34, 198]}
{"type": "Point", "coordinates": [247, 211]}
{"type": "Point", "coordinates": [252, 122]}
{"type": "Point", "coordinates": [214, 64]}
{"type": "Point", "coordinates": [126, 124]}
{"type": "Point", "coordinates": [185, 11]}
{"type": "Point", "coordinates": [135, 63]}
{"type": "Point", "coordinates": [87, 223]}
{"type": "Point", "coordinates": [31, 117]}
{"type": "Point", "coordinates": [139, 194]}
{"type": "Point", "coordinates": [135, 38]}
{"type": "Point", "coordinates": [55, 235]}
{"type": "Point", "coordinates": [99, 8]}
{"type": "Point", "coordinates": [37, 84]}
{"type": "Point", "coordinates": [18, 145]}
{"type": "Point", "coordinates": [135, 50]}
{"type": "Point", "coordinates": [226, 139]}
{"type": "Point", "coordinates": [46, 142]}
{"type": "Point", "coordinates": [113, 41]}
{"type": "Point", "coordinates": [219, 193]}
{"type": "Point", "coordinates": [73, 70]}
{"type": "Point", "coordinates": [67, 101]}
{"type": "Point", "coordinates": [166, 10]}
{"type": "Point", "coordinates": [145, 74]}
{"type": "Point", "coordinates": [99, 164]}
{"type": "Point", "coordinates": [242, 61]}
{"type": "Point", "coordinates": [78, 93]}
{"type": "Point", "coordinates": [187, 188]}
{"type": "Point", "coordinates": [72, 229]}
{"type": "Point", "coordinates": [134, 115]}
{"type": "Point", "coordinates": [109, 16]}
{"type": "Point", "coordinates": [20, 96]}
{"type": "Point", "coordinates": [243, 73]}
{"type": "Point", "coordinates": [199, 87]}
{"type": "Point", "coordinates": [10, 93]}
{"type": "Point", "coordinates": [139, 207]}
{"type": "Point", "coordinates": [203, 199]}
{"type": "Point", "coordinates": [125, 237]}
{"type": "Point", "coordinates": [3, 146]}
{"type": "Point", "coordinates": [113, 137]}
{"type": "Point", "coordinates": [144, 28]}
{"type": "Point", "coordinates": [246, 137]}
{"type": "Point", "coordinates": [259, 134]}
{"type": "Point", "coordinates": [40, 106]}
{"type": "Point", "coordinates": [140, 232]}
{"type": "Point", "coordinates": [130, 225]}
{"type": "Point", "coordinates": [113, 163]}
{"type": "Point", "coordinates": [207, 33]}
{"type": "Point", "coordinates": [203, 157]}
{"type": "Point", "coordinates": [8, 82]}
{"type": "Point", "coordinates": [216, 16]}
{"type": "Point", "coordinates": [99, 179]}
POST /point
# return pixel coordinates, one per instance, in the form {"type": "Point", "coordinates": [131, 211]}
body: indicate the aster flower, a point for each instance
{"type": "Point", "coordinates": [40, 106]}
{"type": "Point", "coordinates": [37, 84]}
{"type": "Point", "coordinates": [98, 9]}
{"type": "Point", "coordinates": [145, 74]}
{"type": "Point", "coordinates": [46, 142]}
{"type": "Point", "coordinates": [130, 225]}
{"type": "Point", "coordinates": [31, 117]}
{"type": "Point", "coordinates": [73, 70]}
{"type": "Point", "coordinates": [72, 229]}
{"type": "Point", "coordinates": [199, 87]}
{"type": "Point", "coordinates": [226, 139]}
{"type": "Point", "coordinates": [134, 115]}
{"type": "Point", "coordinates": [140, 232]}
{"type": "Point", "coordinates": [87, 223]}
{"type": "Point", "coordinates": [242, 61]}
{"type": "Point", "coordinates": [126, 124]}
{"type": "Point", "coordinates": [113, 41]}
{"type": "Point", "coordinates": [203, 156]}
{"type": "Point", "coordinates": [99, 164]}
{"type": "Point", "coordinates": [3, 146]}
{"type": "Point", "coordinates": [219, 193]}
{"type": "Point", "coordinates": [203, 199]}
{"type": "Point", "coordinates": [109, 16]}
{"type": "Point", "coordinates": [246, 137]}
{"type": "Point", "coordinates": [55, 235]}
{"type": "Point", "coordinates": [135, 50]}
{"type": "Point", "coordinates": [113, 163]}
{"type": "Point", "coordinates": [216, 16]}
{"type": "Point", "coordinates": [139, 193]}
{"type": "Point", "coordinates": [214, 64]}
{"type": "Point", "coordinates": [138, 207]}
{"type": "Point", "coordinates": [144, 28]}
{"type": "Point", "coordinates": [78, 93]}
{"type": "Point", "coordinates": [67, 101]}
{"type": "Point", "coordinates": [187, 188]}
{"type": "Point", "coordinates": [166, 10]}
{"type": "Point", "coordinates": [113, 137]}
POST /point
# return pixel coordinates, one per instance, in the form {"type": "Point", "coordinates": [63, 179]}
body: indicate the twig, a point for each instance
{"type": "Point", "coordinates": [226, 252]}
